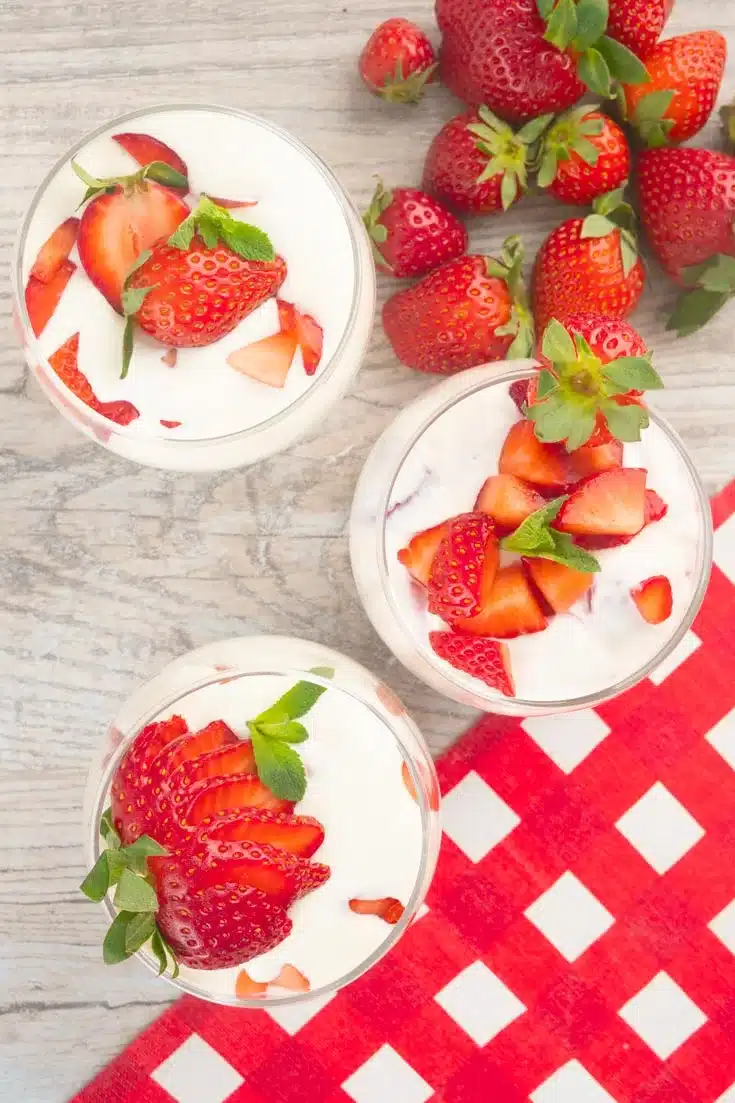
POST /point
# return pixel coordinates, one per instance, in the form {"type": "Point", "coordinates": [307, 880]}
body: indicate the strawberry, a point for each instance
{"type": "Point", "coordinates": [485, 659]}
{"type": "Point", "coordinates": [591, 459]}
{"type": "Point", "coordinates": [299, 835]}
{"type": "Point", "coordinates": [478, 165]}
{"type": "Point", "coordinates": [268, 360]}
{"type": "Point", "coordinates": [609, 504]}
{"type": "Point", "coordinates": [468, 551]}
{"type": "Point", "coordinates": [654, 509]}
{"type": "Point", "coordinates": [583, 155]}
{"type": "Point", "coordinates": [653, 599]}
{"type": "Point", "coordinates": [589, 265]}
{"type": "Point", "coordinates": [509, 607]}
{"type": "Point", "coordinates": [65, 363]}
{"type": "Point", "coordinates": [524, 58]}
{"type": "Point", "coordinates": [42, 298]}
{"type": "Point", "coordinates": [146, 150]}
{"type": "Point", "coordinates": [686, 73]}
{"type": "Point", "coordinates": [686, 199]}
{"type": "Point", "coordinates": [418, 556]}
{"type": "Point", "coordinates": [411, 233]}
{"type": "Point", "coordinates": [542, 465]}
{"type": "Point", "coordinates": [308, 332]}
{"type": "Point", "coordinates": [469, 311]}
{"type": "Point", "coordinates": [589, 390]}
{"type": "Point", "coordinates": [55, 251]}
{"type": "Point", "coordinates": [559, 585]}
{"type": "Point", "coordinates": [638, 24]}
{"type": "Point", "coordinates": [387, 908]}
{"type": "Point", "coordinates": [508, 500]}
{"type": "Point", "coordinates": [398, 61]}
{"type": "Point", "coordinates": [132, 775]}
{"type": "Point", "coordinates": [281, 875]}
{"type": "Point", "coordinates": [221, 795]}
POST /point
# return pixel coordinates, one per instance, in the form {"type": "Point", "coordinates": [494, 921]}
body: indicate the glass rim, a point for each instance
{"type": "Point", "coordinates": [94, 847]}
{"type": "Point", "coordinates": [174, 444]}
{"type": "Point", "coordinates": [569, 704]}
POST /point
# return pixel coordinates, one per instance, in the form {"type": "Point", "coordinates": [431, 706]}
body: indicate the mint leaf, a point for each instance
{"type": "Point", "coordinates": [134, 894]}
{"type": "Point", "coordinates": [534, 531]}
{"type": "Point", "coordinates": [625, 422]}
{"type": "Point", "coordinates": [295, 702]}
{"type": "Point", "coordinates": [279, 767]}
{"type": "Point", "coordinates": [633, 373]}
{"type": "Point", "coordinates": [164, 174]}
{"type": "Point", "coordinates": [249, 241]}
{"type": "Point", "coordinates": [215, 225]}
{"type": "Point", "coordinates": [138, 930]}
{"type": "Point", "coordinates": [566, 552]}
{"type": "Point", "coordinates": [97, 882]}
{"type": "Point", "coordinates": [557, 344]}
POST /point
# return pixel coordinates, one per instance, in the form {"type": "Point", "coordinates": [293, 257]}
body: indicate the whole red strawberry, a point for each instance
{"type": "Point", "coordinates": [524, 58]}
{"type": "Point", "coordinates": [411, 233]}
{"type": "Point", "coordinates": [467, 312]}
{"type": "Point", "coordinates": [398, 61]}
{"type": "Point", "coordinates": [686, 74]}
{"type": "Point", "coordinates": [477, 164]}
{"type": "Point", "coordinates": [589, 265]}
{"type": "Point", "coordinates": [686, 199]}
{"type": "Point", "coordinates": [638, 24]}
{"type": "Point", "coordinates": [583, 155]}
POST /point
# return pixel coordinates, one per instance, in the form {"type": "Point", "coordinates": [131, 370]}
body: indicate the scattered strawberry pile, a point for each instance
{"type": "Point", "coordinates": [524, 553]}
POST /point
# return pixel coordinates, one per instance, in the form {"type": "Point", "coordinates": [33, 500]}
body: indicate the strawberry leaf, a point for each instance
{"type": "Point", "coordinates": [623, 64]}
{"type": "Point", "coordinates": [633, 373]}
{"type": "Point", "coordinates": [547, 169]}
{"type": "Point", "coordinates": [508, 190]}
{"type": "Point", "coordinates": [134, 894]}
{"type": "Point", "coordinates": [715, 274]}
{"type": "Point", "coordinates": [162, 173]}
{"type": "Point", "coordinates": [628, 253]}
{"type": "Point", "coordinates": [279, 767]}
{"type": "Point", "coordinates": [107, 829]}
{"type": "Point", "coordinates": [593, 71]}
{"type": "Point", "coordinates": [138, 930]}
{"type": "Point", "coordinates": [547, 384]}
{"type": "Point", "coordinates": [158, 950]}
{"type": "Point", "coordinates": [652, 107]}
{"type": "Point", "coordinates": [589, 153]}
{"type": "Point", "coordinates": [96, 884]}
{"type": "Point", "coordinates": [113, 948]}
{"type": "Point", "coordinates": [532, 131]}
{"type": "Point", "coordinates": [625, 422]}
{"type": "Point", "coordinates": [557, 344]}
{"type": "Point", "coordinates": [694, 309]}
{"type": "Point", "coordinates": [561, 24]}
{"type": "Point", "coordinates": [596, 225]}
{"type": "Point", "coordinates": [136, 856]}
{"type": "Point", "coordinates": [592, 16]}
{"type": "Point", "coordinates": [127, 346]}
{"type": "Point", "coordinates": [545, 8]}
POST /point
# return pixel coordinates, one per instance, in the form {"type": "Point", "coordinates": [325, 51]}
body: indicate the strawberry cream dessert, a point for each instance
{"type": "Point", "coordinates": [532, 541]}
{"type": "Point", "coordinates": [268, 833]}
{"type": "Point", "coordinates": [172, 297]}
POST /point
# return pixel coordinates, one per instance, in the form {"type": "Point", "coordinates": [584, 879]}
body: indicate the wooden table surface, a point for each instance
{"type": "Point", "coordinates": [109, 570]}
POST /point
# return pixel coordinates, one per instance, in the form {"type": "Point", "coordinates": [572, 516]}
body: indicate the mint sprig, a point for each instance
{"type": "Point", "coordinates": [216, 226]}
{"type": "Point", "coordinates": [535, 538]}
{"type": "Point", "coordinates": [275, 730]}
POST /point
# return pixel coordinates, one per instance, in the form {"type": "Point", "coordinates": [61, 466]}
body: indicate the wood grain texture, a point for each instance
{"type": "Point", "coordinates": [108, 571]}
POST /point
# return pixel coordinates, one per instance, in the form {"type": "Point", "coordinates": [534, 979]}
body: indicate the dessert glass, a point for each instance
{"type": "Point", "coordinates": [429, 465]}
{"type": "Point", "coordinates": [232, 663]}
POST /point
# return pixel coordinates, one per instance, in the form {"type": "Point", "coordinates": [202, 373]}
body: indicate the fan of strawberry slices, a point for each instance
{"type": "Point", "coordinates": [523, 554]}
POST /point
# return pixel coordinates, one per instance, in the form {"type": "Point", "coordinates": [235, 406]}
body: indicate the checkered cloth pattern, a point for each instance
{"type": "Point", "coordinates": [578, 944]}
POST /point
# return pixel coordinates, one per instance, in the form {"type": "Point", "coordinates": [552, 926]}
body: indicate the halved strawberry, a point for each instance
{"type": "Point", "coordinates": [485, 659]}
{"type": "Point", "coordinates": [268, 360]}
{"type": "Point", "coordinates": [510, 609]}
{"type": "Point", "coordinates": [55, 251]}
{"type": "Point", "coordinates": [280, 875]}
{"type": "Point", "coordinates": [132, 775]}
{"type": "Point", "coordinates": [237, 791]}
{"type": "Point", "coordinates": [418, 556]}
{"type": "Point", "coordinates": [308, 332]}
{"type": "Point", "coordinates": [609, 504]}
{"type": "Point", "coordinates": [509, 501]}
{"type": "Point", "coordinates": [145, 150]}
{"type": "Point", "coordinates": [65, 362]}
{"type": "Point", "coordinates": [43, 298]}
{"type": "Point", "coordinates": [654, 599]}
{"type": "Point", "coordinates": [387, 908]}
{"type": "Point", "coordinates": [468, 552]}
{"type": "Point", "coordinates": [526, 457]}
{"type": "Point", "coordinates": [559, 585]}
{"type": "Point", "coordinates": [300, 835]}
{"type": "Point", "coordinates": [591, 459]}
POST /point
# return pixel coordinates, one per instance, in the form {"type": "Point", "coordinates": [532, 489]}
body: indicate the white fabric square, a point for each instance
{"type": "Point", "coordinates": [663, 1015]}
{"type": "Point", "coordinates": [660, 828]}
{"type": "Point", "coordinates": [387, 1078]}
{"type": "Point", "coordinates": [681, 652]}
{"type": "Point", "coordinates": [480, 1003]}
{"type": "Point", "coordinates": [728, 1097]}
{"type": "Point", "coordinates": [723, 551]}
{"type": "Point", "coordinates": [292, 1016]}
{"type": "Point", "coordinates": [195, 1073]}
{"type": "Point", "coordinates": [475, 817]}
{"type": "Point", "coordinates": [722, 738]}
{"type": "Point", "coordinates": [571, 1084]}
{"type": "Point", "coordinates": [723, 925]}
{"type": "Point", "coordinates": [570, 916]}
{"type": "Point", "coordinates": [567, 739]}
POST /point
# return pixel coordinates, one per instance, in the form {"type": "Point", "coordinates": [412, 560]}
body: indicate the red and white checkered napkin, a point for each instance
{"type": "Point", "coordinates": [579, 942]}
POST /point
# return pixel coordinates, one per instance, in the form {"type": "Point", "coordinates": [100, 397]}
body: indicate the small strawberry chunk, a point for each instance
{"type": "Point", "coordinates": [510, 608]}
{"type": "Point", "coordinates": [654, 599]}
{"type": "Point", "coordinates": [309, 333]}
{"type": "Point", "coordinates": [592, 459]}
{"type": "Point", "coordinates": [233, 204]}
{"type": "Point", "coordinates": [408, 781]}
{"type": "Point", "coordinates": [145, 150]}
{"type": "Point", "coordinates": [169, 358]}
{"type": "Point", "coordinates": [267, 361]}
{"type": "Point", "coordinates": [290, 977]}
{"type": "Point", "coordinates": [170, 424]}
{"type": "Point", "coordinates": [609, 504]}
{"type": "Point", "coordinates": [655, 507]}
{"type": "Point", "coordinates": [246, 988]}
{"type": "Point", "coordinates": [418, 556]}
{"type": "Point", "coordinates": [65, 363]}
{"type": "Point", "coordinates": [387, 908]}
{"type": "Point", "coordinates": [559, 585]}
{"type": "Point", "coordinates": [55, 251]}
{"type": "Point", "coordinates": [518, 391]}
{"type": "Point", "coordinates": [43, 298]}
{"type": "Point", "coordinates": [485, 659]}
{"type": "Point", "coordinates": [468, 553]}
{"type": "Point", "coordinates": [509, 501]}
{"type": "Point", "coordinates": [526, 457]}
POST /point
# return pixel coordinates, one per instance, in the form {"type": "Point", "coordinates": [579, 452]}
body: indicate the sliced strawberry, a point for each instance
{"type": "Point", "coordinates": [65, 363]}
{"type": "Point", "coordinates": [609, 504]}
{"type": "Point", "coordinates": [300, 835]}
{"type": "Point", "coordinates": [170, 424]}
{"type": "Point", "coordinates": [559, 585]}
{"type": "Point", "coordinates": [292, 978]}
{"type": "Point", "coordinates": [237, 791]}
{"type": "Point", "coordinates": [526, 457]}
{"type": "Point", "coordinates": [509, 501]}
{"type": "Point", "coordinates": [268, 361]}
{"type": "Point", "coordinates": [43, 298]}
{"type": "Point", "coordinates": [132, 774]}
{"type": "Point", "coordinates": [655, 507]}
{"type": "Point", "coordinates": [145, 150]}
{"type": "Point", "coordinates": [387, 908]}
{"type": "Point", "coordinates": [518, 391]}
{"type": "Point", "coordinates": [232, 204]}
{"type": "Point", "coordinates": [418, 556]}
{"type": "Point", "coordinates": [169, 358]}
{"type": "Point", "coordinates": [309, 333]}
{"type": "Point", "coordinates": [287, 316]}
{"type": "Point", "coordinates": [591, 459]}
{"type": "Point", "coordinates": [654, 599]}
{"type": "Point", "coordinates": [408, 781]}
{"type": "Point", "coordinates": [467, 553]}
{"type": "Point", "coordinates": [188, 749]}
{"type": "Point", "coordinates": [282, 876]}
{"type": "Point", "coordinates": [434, 795]}
{"type": "Point", "coordinates": [246, 988]}
{"type": "Point", "coordinates": [485, 659]}
{"type": "Point", "coordinates": [55, 251]}
{"type": "Point", "coordinates": [510, 609]}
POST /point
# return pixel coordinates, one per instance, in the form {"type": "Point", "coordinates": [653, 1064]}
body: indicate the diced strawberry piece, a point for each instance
{"type": "Point", "coordinates": [526, 457]}
{"type": "Point", "coordinates": [237, 791]}
{"type": "Point", "coordinates": [518, 391]}
{"type": "Point", "coordinates": [432, 786]}
{"type": "Point", "coordinates": [290, 977]}
{"type": "Point", "coordinates": [387, 908]}
{"type": "Point", "coordinates": [309, 333]}
{"type": "Point", "coordinates": [120, 411]}
{"type": "Point", "coordinates": [591, 459]}
{"type": "Point", "coordinates": [609, 504]}
{"type": "Point", "coordinates": [65, 363]}
{"type": "Point", "coordinates": [287, 316]}
{"type": "Point", "coordinates": [559, 585]}
{"type": "Point", "coordinates": [654, 599]}
{"type": "Point", "coordinates": [43, 298]}
{"type": "Point", "coordinates": [485, 659]}
{"type": "Point", "coordinates": [233, 204]}
{"type": "Point", "coordinates": [418, 556]}
{"type": "Point", "coordinates": [655, 507]}
{"type": "Point", "coordinates": [170, 424]}
{"type": "Point", "coordinates": [169, 358]}
{"type": "Point", "coordinates": [55, 251]}
{"type": "Point", "coordinates": [510, 609]}
{"type": "Point", "coordinates": [300, 835]}
{"type": "Point", "coordinates": [145, 150]}
{"type": "Point", "coordinates": [467, 553]}
{"type": "Point", "coordinates": [246, 988]}
{"type": "Point", "coordinates": [268, 361]}
{"type": "Point", "coordinates": [509, 501]}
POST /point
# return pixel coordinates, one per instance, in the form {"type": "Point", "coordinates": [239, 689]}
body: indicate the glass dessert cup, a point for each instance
{"type": "Point", "coordinates": [217, 418]}
{"type": "Point", "coordinates": [429, 465]}
{"type": "Point", "coordinates": [229, 680]}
